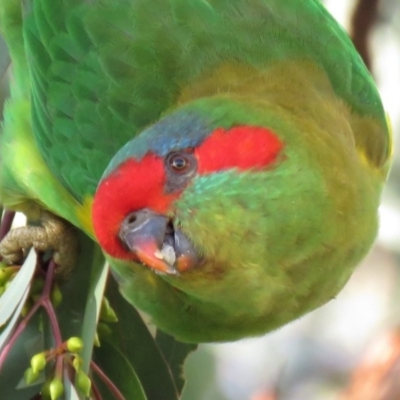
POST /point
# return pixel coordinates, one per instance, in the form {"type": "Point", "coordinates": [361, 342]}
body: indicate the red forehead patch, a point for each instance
{"type": "Point", "coordinates": [241, 147]}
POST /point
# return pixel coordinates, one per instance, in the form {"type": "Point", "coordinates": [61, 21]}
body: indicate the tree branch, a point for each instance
{"type": "Point", "coordinates": [364, 18]}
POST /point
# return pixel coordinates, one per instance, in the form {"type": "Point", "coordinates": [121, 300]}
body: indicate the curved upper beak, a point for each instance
{"type": "Point", "coordinates": [156, 243]}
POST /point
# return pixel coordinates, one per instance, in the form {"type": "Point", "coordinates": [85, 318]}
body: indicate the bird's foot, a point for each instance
{"type": "Point", "coordinates": [54, 234]}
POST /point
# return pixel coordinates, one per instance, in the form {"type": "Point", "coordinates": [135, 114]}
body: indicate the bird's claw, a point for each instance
{"type": "Point", "coordinates": [54, 234]}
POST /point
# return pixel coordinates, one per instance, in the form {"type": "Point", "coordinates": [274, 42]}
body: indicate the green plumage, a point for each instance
{"type": "Point", "coordinates": [101, 72]}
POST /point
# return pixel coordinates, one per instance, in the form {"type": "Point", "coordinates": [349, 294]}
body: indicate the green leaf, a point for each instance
{"type": "Point", "coordinates": [83, 383]}
{"type": "Point", "coordinates": [175, 354]}
{"type": "Point", "coordinates": [17, 289]}
{"type": "Point", "coordinates": [92, 311]}
{"type": "Point", "coordinates": [82, 293]}
{"type": "Point", "coordinates": [133, 339]}
{"type": "Point", "coordinates": [115, 365]}
{"type": "Point", "coordinates": [8, 330]}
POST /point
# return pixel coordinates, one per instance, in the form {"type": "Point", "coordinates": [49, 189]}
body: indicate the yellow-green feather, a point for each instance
{"type": "Point", "coordinates": [27, 184]}
{"type": "Point", "coordinates": [28, 188]}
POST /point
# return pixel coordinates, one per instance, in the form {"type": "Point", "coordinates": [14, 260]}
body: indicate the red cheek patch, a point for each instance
{"type": "Point", "coordinates": [132, 186]}
{"type": "Point", "coordinates": [241, 147]}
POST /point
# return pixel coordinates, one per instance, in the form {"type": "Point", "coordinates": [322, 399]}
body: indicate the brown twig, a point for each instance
{"type": "Point", "coordinates": [364, 18]}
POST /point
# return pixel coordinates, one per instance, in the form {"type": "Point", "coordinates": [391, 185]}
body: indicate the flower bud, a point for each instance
{"type": "Point", "coordinates": [83, 383]}
{"type": "Point", "coordinates": [56, 389]}
{"type": "Point", "coordinates": [74, 344]}
{"type": "Point", "coordinates": [77, 363]}
{"type": "Point", "coordinates": [56, 296]}
{"type": "Point", "coordinates": [37, 286]}
{"type": "Point", "coordinates": [103, 330]}
{"type": "Point", "coordinates": [96, 341]}
{"type": "Point", "coordinates": [38, 362]}
{"type": "Point", "coordinates": [30, 376]}
{"type": "Point", "coordinates": [107, 314]}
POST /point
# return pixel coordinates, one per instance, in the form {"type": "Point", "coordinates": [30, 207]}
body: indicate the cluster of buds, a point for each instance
{"type": "Point", "coordinates": [36, 292]}
{"type": "Point", "coordinates": [37, 288]}
{"type": "Point", "coordinates": [69, 352]}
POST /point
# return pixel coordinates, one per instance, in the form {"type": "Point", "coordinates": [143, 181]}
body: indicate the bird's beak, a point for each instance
{"type": "Point", "coordinates": [153, 239]}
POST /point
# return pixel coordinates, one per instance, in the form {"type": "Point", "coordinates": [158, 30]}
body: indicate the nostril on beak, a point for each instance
{"type": "Point", "coordinates": [133, 222]}
{"type": "Point", "coordinates": [136, 219]}
{"type": "Point", "coordinates": [132, 218]}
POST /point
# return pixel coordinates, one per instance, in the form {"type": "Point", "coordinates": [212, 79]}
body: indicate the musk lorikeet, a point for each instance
{"type": "Point", "coordinates": [227, 155]}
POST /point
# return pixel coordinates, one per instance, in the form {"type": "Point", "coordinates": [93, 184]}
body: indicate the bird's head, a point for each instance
{"type": "Point", "coordinates": [181, 183]}
{"type": "Point", "coordinates": [226, 189]}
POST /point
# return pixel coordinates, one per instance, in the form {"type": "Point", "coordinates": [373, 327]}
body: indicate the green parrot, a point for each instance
{"type": "Point", "coordinates": [228, 156]}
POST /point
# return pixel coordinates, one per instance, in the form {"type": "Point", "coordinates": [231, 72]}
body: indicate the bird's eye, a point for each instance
{"type": "Point", "coordinates": [180, 167]}
{"type": "Point", "coordinates": [179, 162]}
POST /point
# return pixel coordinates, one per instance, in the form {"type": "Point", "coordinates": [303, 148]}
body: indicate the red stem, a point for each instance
{"type": "Point", "coordinates": [43, 301]}
{"type": "Point", "coordinates": [96, 392]}
{"type": "Point", "coordinates": [23, 324]}
{"type": "Point", "coordinates": [46, 303]}
{"type": "Point", "coordinates": [113, 389]}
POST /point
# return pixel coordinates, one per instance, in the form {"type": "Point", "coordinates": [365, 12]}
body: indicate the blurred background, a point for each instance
{"type": "Point", "coordinates": [350, 348]}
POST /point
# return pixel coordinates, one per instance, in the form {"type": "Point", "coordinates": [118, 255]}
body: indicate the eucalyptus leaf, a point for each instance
{"type": "Point", "coordinates": [17, 289]}
{"type": "Point", "coordinates": [92, 310]}
{"type": "Point", "coordinates": [116, 366]}
{"type": "Point", "coordinates": [8, 330]}
{"type": "Point", "coordinates": [175, 354]}
{"type": "Point", "coordinates": [131, 336]}
{"type": "Point", "coordinates": [81, 297]}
